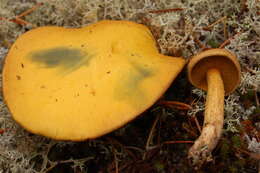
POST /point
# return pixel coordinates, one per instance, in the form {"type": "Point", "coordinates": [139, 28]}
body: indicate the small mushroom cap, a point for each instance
{"type": "Point", "coordinates": [76, 84]}
{"type": "Point", "coordinates": [220, 59]}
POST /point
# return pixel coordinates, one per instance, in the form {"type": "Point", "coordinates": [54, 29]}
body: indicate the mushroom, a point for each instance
{"type": "Point", "coordinates": [216, 71]}
{"type": "Point", "coordinates": [77, 84]}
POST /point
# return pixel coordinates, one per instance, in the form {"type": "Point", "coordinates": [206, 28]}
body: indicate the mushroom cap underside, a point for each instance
{"type": "Point", "coordinates": [76, 84]}
{"type": "Point", "coordinates": [220, 59]}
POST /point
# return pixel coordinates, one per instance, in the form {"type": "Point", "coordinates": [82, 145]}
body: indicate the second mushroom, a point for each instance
{"type": "Point", "coordinates": [216, 71]}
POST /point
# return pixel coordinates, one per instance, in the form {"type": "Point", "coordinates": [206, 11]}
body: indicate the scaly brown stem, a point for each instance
{"type": "Point", "coordinates": [213, 120]}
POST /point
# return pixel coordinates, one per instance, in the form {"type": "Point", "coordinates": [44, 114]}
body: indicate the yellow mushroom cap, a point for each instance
{"type": "Point", "coordinates": [220, 59]}
{"type": "Point", "coordinates": [76, 84]}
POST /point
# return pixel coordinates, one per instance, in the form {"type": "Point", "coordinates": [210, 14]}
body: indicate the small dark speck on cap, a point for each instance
{"type": "Point", "coordinates": [18, 77]}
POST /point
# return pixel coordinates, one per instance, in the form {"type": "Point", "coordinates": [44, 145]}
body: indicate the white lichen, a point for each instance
{"type": "Point", "coordinates": [174, 31]}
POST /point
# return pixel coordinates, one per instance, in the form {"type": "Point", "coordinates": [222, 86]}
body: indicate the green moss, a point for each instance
{"type": "Point", "coordinates": [236, 166]}
{"type": "Point", "coordinates": [159, 166]}
{"type": "Point", "coordinates": [213, 43]}
{"type": "Point", "coordinates": [249, 95]}
{"type": "Point", "coordinates": [233, 169]}
{"type": "Point", "coordinates": [257, 110]}
{"type": "Point", "coordinates": [225, 149]}
{"type": "Point", "coordinates": [236, 140]}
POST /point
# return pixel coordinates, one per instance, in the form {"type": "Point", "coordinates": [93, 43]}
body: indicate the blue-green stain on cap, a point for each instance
{"type": "Point", "coordinates": [67, 59]}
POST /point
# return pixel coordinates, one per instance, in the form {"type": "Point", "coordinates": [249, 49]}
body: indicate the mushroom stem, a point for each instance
{"type": "Point", "coordinates": [213, 120]}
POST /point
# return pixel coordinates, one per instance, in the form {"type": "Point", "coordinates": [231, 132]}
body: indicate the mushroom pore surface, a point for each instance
{"type": "Point", "coordinates": [227, 65]}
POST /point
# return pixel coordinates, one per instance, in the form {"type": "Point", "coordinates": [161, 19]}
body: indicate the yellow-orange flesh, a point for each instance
{"type": "Point", "coordinates": [213, 119]}
{"type": "Point", "coordinates": [76, 84]}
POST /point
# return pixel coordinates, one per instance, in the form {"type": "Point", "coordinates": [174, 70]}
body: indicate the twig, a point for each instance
{"type": "Point", "coordinates": [224, 21]}
{"type": "Point", "coordinates": [252, 155]}
{"type": "Point", "coordinates": [197, 123]}
{"type": "Point", "coordinates": [189, 131]}
{"type": "Point", "coordinates": [176, 104]}
{"type": "Point", "coordinates": [115, 142]}
{"type": "Point", "coordinates": [25, 13]}
{"type": "Point", "coordinates": [201, 45]}
{"type": "Point", "coordinates": [135, 148]}
{"type": "Point", "coordinates": [172, 142]}
{"type": "Point", "coordinates": [150, 136]}
{"type": "Point", "coordinates": [226, 42]}
{"type": "Point", "coordinates": [256, 98]}
{"type": "Point", "coordinates": [116, 161]}
{"type": "Point", "coordinates": [178, 142]}
{"type": "Point", "coordinates": [124, 166]}
{"type": "Point", "coordinates": [166, 10]}
{"type": "Point", "coordinates": [52, 165]}
{"type": "Point", "coordinates": [249, 69]}
{"type": "Point", "coordinates": [207, 28]}
{"type": "Point", "coordinates": [225, 28]}
{"type": "Point", "coordinates": [195, 101]}
{"type": "Point", "coordinates": [18, 19]}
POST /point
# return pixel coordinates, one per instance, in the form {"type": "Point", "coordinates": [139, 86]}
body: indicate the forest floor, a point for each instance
{"type": "Point", "coordinates": [159, 139]}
